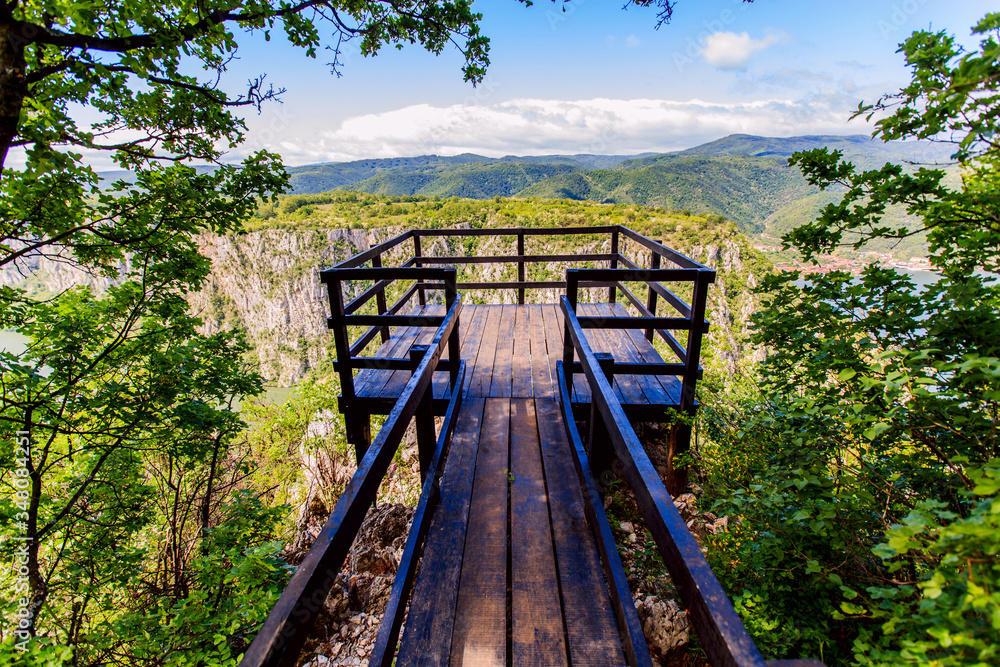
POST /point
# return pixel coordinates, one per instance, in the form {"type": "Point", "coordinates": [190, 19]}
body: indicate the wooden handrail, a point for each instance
{"type": "Point", "coordinates": [520, 258]}
{"type": "Point", "coordinates": [362, 257]}
{"type": "Point", "coordinates": [660, 249]}
{"type": "Point", "coordinates": [514, 231]}
{"type": "Point", "coordinates": [430, 494]}
{"type": "Point", "coordinates": [719, 628]}
{"type": "Point", "coordinates": [280, 640]}
{"type": "Point", "coordinates": [629, 627]}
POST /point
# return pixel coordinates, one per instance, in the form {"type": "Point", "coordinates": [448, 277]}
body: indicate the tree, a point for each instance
{"type": "Point", "coordinates": [872, 463]}
{"type": "Point", "coordinates": [118, 398]}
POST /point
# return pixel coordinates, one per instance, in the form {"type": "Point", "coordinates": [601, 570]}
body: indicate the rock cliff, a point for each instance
{"type": "Point", "coordinates": [267, 282]}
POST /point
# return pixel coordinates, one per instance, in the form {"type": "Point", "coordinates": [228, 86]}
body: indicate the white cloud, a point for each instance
{"type": "Point", "coordinates": [729, 51]}
{"type": "Point", "coordinates": [632, 40]}
{"type": "Point", "coordinates": [540, 126]}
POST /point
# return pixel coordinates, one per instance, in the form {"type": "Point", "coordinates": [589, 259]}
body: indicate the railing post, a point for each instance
{"type": "Point", "coordinates": [380, 297]}
{"type": "Point", "coordinates": [599, 448]}
{"type": "Point", "coordinates": [421, 295]}
{"type": "Point", "coordinates": [424, 417]}
{"type": "Point", "coordinates": [357, 423]}
{"type": "Point", "coordinates": [613, 290]}
{"type": "Point", "coordinates": [654, 263]}
{"type": "Point", "coordinates": [454, 343]}
{"type": "Point", "coordinates": [680, 435]}
{"type": "Point", "coordinates": [572, 290]}
{"type": "Point", "coordinates": [520, 268]}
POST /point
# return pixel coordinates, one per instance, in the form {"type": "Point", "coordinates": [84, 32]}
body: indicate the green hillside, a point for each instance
{"type": "Point", "coordinates": [474, 181]}
{"type": "Point", "coordinates": [743, 178]}
{"type": "Point", "coordinates": [386, 176]}
{"type": "Point", "coordinates": [859, 148]}
{"type": "Point", "coordinates": [744, 189]}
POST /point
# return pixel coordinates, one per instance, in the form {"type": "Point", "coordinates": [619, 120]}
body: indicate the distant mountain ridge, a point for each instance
{"type": "Point", "coordinates": [744, 178]}
{"type": "Point", "coordinates": [465, 175]}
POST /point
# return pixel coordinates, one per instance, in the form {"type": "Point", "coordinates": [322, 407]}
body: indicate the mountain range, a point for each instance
{"type": "Point", "coordinates": [742, 177]}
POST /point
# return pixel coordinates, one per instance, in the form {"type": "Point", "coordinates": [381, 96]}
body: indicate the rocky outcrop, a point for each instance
{"type": "Point", "coordinates": [348, 623]}
{"type": "Point", "coordinates": [267, 283]}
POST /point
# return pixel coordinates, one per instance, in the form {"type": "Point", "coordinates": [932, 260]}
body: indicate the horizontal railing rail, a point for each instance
{"type": "Point", "coordinates": [720, 630]}
{"type": "Point", "coordinates": [280, 640]}
{"type": "Point", "coordinates": [614, 259]}
{"type": "Point", "coordinates": [349, 353]}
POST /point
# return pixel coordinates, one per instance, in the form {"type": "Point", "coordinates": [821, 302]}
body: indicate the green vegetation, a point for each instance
{"type": "Point", "coordinates": [137, 509]}
{"type": "Point", "coordinates": [742, 178]}
{"type": "Point", "coordinates": [862, 461]}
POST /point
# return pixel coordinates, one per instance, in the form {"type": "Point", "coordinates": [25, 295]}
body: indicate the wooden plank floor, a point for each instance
{"type": "Point", "coordinates": [511, 352]}
{"type": "Point", "coordinates": [511, 574]}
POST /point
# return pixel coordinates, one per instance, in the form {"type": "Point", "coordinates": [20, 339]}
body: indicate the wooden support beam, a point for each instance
{"type": "Point", "coordinates": [654, 263]}
{"type": "Point", "coordinates": [417, 257]}
{"type": "Point", "coordinates": [520, 268]}
{"type": "Point", "coordinates": [424, 418]}
{"type": "Point", "coordinates": [598, 449]}
{"type": "Point", "coordinates": [613, 290]}
{"type": "Point", "coordinates": [380, 297]}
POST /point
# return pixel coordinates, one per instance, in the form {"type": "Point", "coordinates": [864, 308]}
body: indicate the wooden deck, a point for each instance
{"type": "Point", "coordinates": [513, 573]}
{"type": "Point", "coordinates": [511, 352]}
{"type": "Point", "coordinates": [510, 559]}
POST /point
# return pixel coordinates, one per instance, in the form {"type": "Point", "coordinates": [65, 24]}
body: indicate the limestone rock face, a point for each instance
{"type": "Point", "coordinates": [266, 283]}
{"type": "Point", "coordinates": [345, 633]}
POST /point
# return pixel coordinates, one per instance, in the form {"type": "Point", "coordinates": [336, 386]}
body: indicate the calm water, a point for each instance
{"type": "Point", "coordinates": [919, 278]}
{"type": "Point", "coordinates": [13, 342]}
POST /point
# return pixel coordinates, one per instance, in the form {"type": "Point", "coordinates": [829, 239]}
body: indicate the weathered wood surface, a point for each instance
{"type": "Point", "coordinates": [511, 573]}
{"type": "Point", "coordinates": [511, 351]}
{"type": "Point", "coordinates": [536, 613]}
{"type": "Point", "coordinates": [427, 639]}
{"type": "Point", "coordinates": [480, 635]}
{"type": "Point", "coordinates": [519, 586]}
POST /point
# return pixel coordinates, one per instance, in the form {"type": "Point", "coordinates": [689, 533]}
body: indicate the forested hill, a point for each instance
{"type": "Point", "coordinates": [744, 178]}
{"type": "Point", "coordinates": [448, 176]}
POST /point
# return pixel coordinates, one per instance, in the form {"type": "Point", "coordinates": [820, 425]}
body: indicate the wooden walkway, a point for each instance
{"type": "Point", "coordinates": [510, 559]}
{"type": "Point", "coordinates": [513, 573]}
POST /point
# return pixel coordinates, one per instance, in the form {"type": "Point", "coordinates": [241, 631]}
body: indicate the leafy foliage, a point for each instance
{"type": "Point", "coordinates": [867, 453]}
{"type": "Point", "coordinates": [123, 469]}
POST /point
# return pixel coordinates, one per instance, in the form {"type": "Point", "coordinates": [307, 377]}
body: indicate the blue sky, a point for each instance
{"type": "Point", "coordinates": [597, 79]}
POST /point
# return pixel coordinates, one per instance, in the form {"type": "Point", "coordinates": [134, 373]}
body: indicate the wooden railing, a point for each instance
{"type": "Point", "coordinates": [377, 255]}
{"type": "Point", "coordinates": [719, 628]}
{"type": "Point", "coordinates": [280, 640]}
{"type": "Point", "coordinates": [693, 323]}
{"type": "Point", "coordinates": [345, 315]}
{"type": "Point", "coordinates": [382, 277]}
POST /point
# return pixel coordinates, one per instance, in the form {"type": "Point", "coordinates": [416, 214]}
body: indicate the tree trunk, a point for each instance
{"type": "Point", "coordinates": [12, 83]}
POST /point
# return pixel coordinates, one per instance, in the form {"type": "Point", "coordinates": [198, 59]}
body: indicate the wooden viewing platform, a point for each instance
{"type": "Point", "coordinates": [510, 559]}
